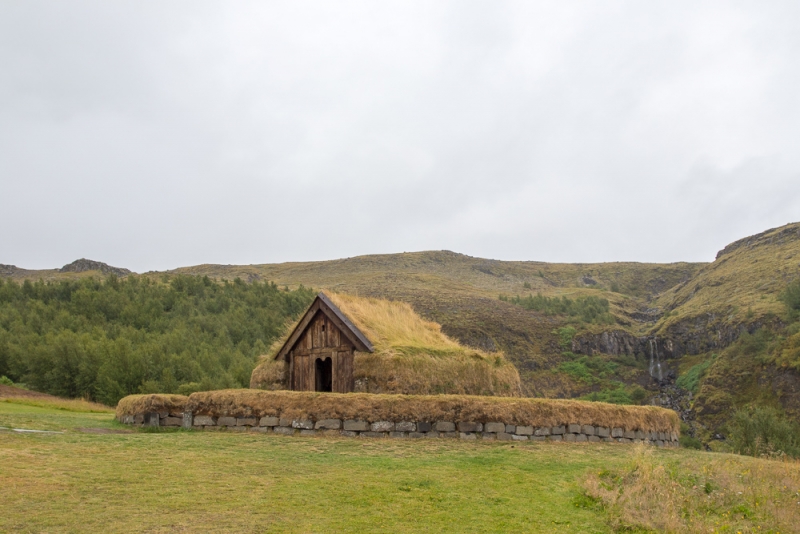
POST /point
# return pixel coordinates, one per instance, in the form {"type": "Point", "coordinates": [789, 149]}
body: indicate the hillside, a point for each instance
{"type": "Point", "coordinates": [670, 324]}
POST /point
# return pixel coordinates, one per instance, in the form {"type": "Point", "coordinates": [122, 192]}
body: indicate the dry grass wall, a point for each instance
{"type": "Point", "coordinates": [140, 404]}
{"type": "Point", "coordinates": [373, 408]}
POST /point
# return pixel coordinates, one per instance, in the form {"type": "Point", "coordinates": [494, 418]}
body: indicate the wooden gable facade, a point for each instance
{"type": "Point", "coordinates": [320, 350]}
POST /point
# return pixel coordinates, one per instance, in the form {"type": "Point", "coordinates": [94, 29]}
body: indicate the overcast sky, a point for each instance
{"type": "Point", "coordinates": [153, 135]}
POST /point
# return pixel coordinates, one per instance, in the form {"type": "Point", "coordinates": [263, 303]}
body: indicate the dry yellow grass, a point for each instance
{"type": "Point", "coordinates": [372, 408]}
{"type": "Point", "coordinates": [714, 493]}
{"type": "Point", "coordinates": [412, 356]}
{"type": "Point", "coordinates": [154, 402]}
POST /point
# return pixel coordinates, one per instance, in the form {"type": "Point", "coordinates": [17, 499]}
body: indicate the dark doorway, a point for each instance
{"type": "Point", "coordinates": [324, 378]}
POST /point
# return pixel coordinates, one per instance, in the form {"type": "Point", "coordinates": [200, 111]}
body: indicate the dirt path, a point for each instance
{"type": "Point", "coordinates": [11, 391]}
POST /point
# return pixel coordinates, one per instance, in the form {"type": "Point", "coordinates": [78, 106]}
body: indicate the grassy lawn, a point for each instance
{"type": "Point", "coordinates": [214, 481]}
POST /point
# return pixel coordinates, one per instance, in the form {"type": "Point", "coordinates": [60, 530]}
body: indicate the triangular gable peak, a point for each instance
{"type": "Point", "coordinates": [322, 304]}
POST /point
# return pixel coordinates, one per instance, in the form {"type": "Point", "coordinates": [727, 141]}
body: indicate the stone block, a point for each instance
{"type": "Point", "coordinates": [416, 435]}
{"type": "Point", "coordinates": [432, 434]}
{"type": "Point", "coordinates": [424, 427]}
{"type": "Point", "coordinates": [574, 429]}
{"type": "Point", "coordinates": [588, 430]}
{"type": "Point", "coordinates": [406, 426]}
{"type": "Point", "coordinates": [639, 435]}
{"type": "Point", "coordinates": [494, 427]}
{"type": "Point", "coordinates": [285, 430]}
{"type": "Point", "coordinates": [163, 414]}
{"type": "Point", "coordinates": [469, 427]}
{"type": "Point", "coordinates": [283, 421]}
{"type": "Point", "coordinates": [594, 438]}
{"type": "Point", "coordinates": [629, 434]}
{"type": "Point", "coordinates": [489, 436]}
{"type": "Point", "coordinates": [556, 437]}
{"type": "Point", "coordinates": [211, 428]}
{"type": "Point", "coordinates": [444, 426]}
{"type": "Point", "coordinates": [544, 431]}
{"type": "Point", "coordinates": [328, 424]}
{"type": "Point", "coordinates": [303, 424]}
{"type": "Point", "coordinates": [246, 421]}
{"type": "Point", "coordinates": [268, 421]}
{"type": "Point", "coordinates": [349, 433]}
{"type": "Point", "coordinates": [448, 434]}
{"type": "Point", "coordinates": [637, 440]}
{"type": "Point", "coordinates": [398, 434]}
{"type": "Point", "coordinates": [237, 428]}
{"type": "Point", "coordinates": [203, 420]}
{"type": "Point", "coordinates": [524, 430]}
{"type": "Point", "coordinates": [308, 432]}
{"type": "Point", "coordinates": [517, 437]}
{"type": "Point", "coordinates": [356, 425]}
{"type": "Point", "coordinates": [581, 437]}
{"type": "Point", "coordinates": [172, 421]}
{"type": "Point", "coordinates": [128, 419]}
{"type": "Point", "coordinates": [510, 429]}
{"type": "Point", "coordinates": [616, 432]}
{"type": "Point", "coordinates": [602, 431]}
{"type": "Point", "coordinates": [186, 420]}
{"type": "Point", "coordinates": [625, 440]}
{"type": "Point", "coordinates": [261, 429]}
{"type": "Point", "coordinates": [608, 440]}
{"type": "Point", "coordinates": [557, 430]}
{"type": "Point", "coordinates": [653, 436]}
{"type": "Point", "coordinates": [329, 432]}
{"type": "Point", "coordinates": [382, 426]}
{"type": "Point", "coordinates": [674, 436]}
{"type": "Point", "coordinates": [538, 438]}
{"type": "Point", "coordinates": [569, 437]}
{"type": "Point", "coordinates": [152, 419]}
{"type": "Point", "coordinates": [662, 436]}
{"type": "Point", "coordinates": [504, 436]}
{"type": "Point", "coordinates": [372, 435]}
{"type": "Point", "coordinates": [226, 421]}
{"type": "Point", "coordinates": [138, 419]}
{"type": "Point", "coordinates": [468, 435]}
{"type": "Point", "coordinates": [659, 443]}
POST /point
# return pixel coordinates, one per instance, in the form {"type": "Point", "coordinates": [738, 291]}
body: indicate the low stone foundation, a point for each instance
{"type": "Point", "coordinates": [402, 429]}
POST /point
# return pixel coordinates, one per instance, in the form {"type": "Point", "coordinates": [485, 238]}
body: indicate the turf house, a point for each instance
{"type": "Point", "coordinates": [344, 343]}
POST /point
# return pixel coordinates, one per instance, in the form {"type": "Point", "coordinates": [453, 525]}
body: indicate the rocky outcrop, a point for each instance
{"type": "Point", "coordinates": [774, 236]}
{"type": "Point", "coordinates": [83, 265]}
{"type": "Point", "coordinates": [8, 270]}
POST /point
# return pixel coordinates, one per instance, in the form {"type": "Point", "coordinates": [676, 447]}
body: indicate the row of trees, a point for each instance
{"type": "Point", "coordinates": [104, 339]}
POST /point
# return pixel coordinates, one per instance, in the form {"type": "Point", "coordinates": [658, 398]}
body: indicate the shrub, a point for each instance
{"type": "Point", "coordinates": [763, 431]}
{"type": "Point", "coordinates": [6, 381]}
{"type": "Point", "coordinates": [791, 298]}
{"type": "Point", "coordinates": [690, 380]}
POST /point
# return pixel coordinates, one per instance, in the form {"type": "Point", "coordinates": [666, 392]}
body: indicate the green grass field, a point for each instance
{"type": "Point", "coordinates": [181, 481]}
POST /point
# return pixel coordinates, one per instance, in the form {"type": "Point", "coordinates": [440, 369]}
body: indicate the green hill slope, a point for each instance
{"type": "Point", "coordinates": [657, 341]}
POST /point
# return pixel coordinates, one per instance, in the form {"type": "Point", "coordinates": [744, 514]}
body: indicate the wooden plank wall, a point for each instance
{"type": "Point", "coordinates": [321, 339]}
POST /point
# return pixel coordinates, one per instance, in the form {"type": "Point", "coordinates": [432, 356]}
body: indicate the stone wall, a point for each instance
{"type": "Point", "coordinates": [402, 429]}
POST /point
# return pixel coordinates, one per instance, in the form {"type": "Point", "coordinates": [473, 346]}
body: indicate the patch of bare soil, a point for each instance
{"type": "Point", "coordinates": [103, 431]}
{"type": "Point", "coordinates": [15, 392]}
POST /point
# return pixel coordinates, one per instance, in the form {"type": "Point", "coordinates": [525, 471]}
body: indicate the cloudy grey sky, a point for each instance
{"type": "Point", "coordinates": [152, 135]}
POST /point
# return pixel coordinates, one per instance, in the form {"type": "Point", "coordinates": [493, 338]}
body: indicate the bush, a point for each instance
{"type": "Point", "coordinates": [690, 380]}
{"type": "Point", "coordinates": [6, 381]}
{"type": "Point", "coordinates": [688, 442]}
{"type": "Point", "coordinates": [764, 431]}
{"type": "Point", "coordinates": [791, 298]}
